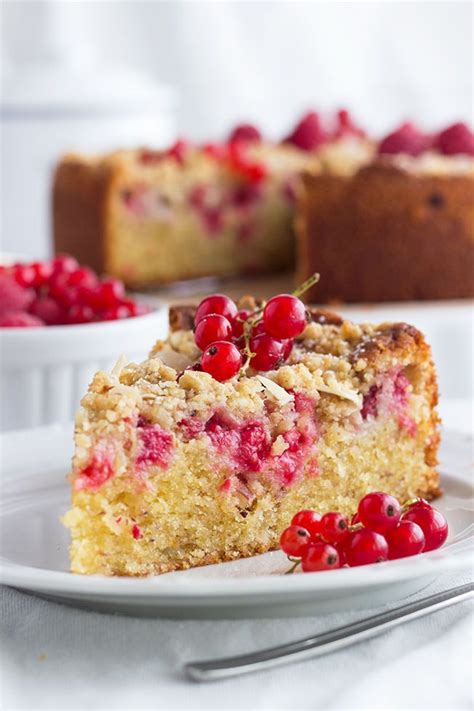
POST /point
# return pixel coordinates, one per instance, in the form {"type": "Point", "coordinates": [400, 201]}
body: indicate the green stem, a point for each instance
{"type": "Point", "coordinates": [291, 570]}
{"type": "Point", "coordinates": [256, 317]}
{"type": "Point", "coordinates": [313, 279]}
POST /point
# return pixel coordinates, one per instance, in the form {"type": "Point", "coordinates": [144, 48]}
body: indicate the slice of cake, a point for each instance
{"type": "Point", "coordinates": [174, 468]}
{"type": "Point", "coordinates": [152, 217]}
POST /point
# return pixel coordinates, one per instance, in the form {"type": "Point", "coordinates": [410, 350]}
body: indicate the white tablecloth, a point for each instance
{"type": "Point", "coordinates": [55, 657]}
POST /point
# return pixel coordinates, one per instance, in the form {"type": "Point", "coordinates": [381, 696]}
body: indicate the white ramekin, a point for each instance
{"type": "Point", "coordinates": [46, 371]}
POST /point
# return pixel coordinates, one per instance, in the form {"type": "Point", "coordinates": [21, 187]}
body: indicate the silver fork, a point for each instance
{"type": "Point", "coordinates": [326, 642]}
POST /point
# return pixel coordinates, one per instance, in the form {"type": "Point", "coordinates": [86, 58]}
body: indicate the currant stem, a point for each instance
{"type": "Point", "coordinates": [293, 567]}
{"type": "Point", "coordinates": [249, 325]}
{"type": "Point", "coordinates": [251, 322]}
{"type": "Point", "coordinates": [313, 279]}
{"type": "Point", "coordinates": [410, 502]}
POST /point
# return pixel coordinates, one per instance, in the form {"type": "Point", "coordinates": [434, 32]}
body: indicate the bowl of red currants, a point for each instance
{"type": "Point", "coordinates": [60, 323]}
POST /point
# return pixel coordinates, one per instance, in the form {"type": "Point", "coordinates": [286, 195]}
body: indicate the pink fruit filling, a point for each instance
{"type": "Point", "coordinates": [390, 397]}
{"type": "Point", "coordinates": [209, 204]}
{"type": "Point", "coordinates": [136, 531]}
{"type": "Point", "coordinates": [155, 446]}
{"type": "Point", "coordinates": [246, 232]}
{"type": "Point", "coordinates": [246, 195]}
{"type": "Point", "coordinates": [246, 448]}
{"type": "Point", "coordinates": [142, 201]}
{"type": "Point", "coordinates": [191, 427]}
{"type": "Point", "coordinates": [99, 470]}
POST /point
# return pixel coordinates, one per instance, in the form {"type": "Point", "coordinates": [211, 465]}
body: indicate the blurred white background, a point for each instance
{"type": "Point", "coordinates": [90, 76]}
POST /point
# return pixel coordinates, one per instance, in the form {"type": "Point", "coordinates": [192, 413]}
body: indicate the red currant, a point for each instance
{"type": "Point", "coordinates": [210, 329]}
{"type": "Point", "coordinates": [255, 172]}
{"type": "Point", "coordinates": [309, 133]}
{"type": "Point", "coordinates": [405, 540]}
{"type": "Point", "coordinates": [24, 275]}
{"type": "Point", "coordinates": [355, 518]}
{"type": "Point", "coordinates": [342, 553]}
{"type": "Point", "coordinates": [64, 263]}
{"type": "Point", "coordinates": [258, 329]}
{"type": "Point", "coordinates": [83, 276]}
{"type": "Point", "coordinates": [320, 556]}
{"type": "Point", "coordinates": [213, 150]}
{"type": "Point", "coordinates": [334, 527]}
{"type": "Point", "coordinates": [307, 519]}
{"type": "Point", "coordinates": [216, 304]}
{"type": "Point", "coordinates": [295, 540]}
{"type": "Point", "coordinates": [252, 170]}
{"type": "Point", "coordinates": [284, 316]}
{"type": "Point", "coordinates": [238, 323]}
{"type": "Point", "coordinates": [456, 139]}
{"type": "Point", "coordinates": [380, 512]}
{"type": "Point", "coordinates": [110, 293]}
{"type": "Point", "coordinates": [89, 295]}
{"type": "Point", "coordinates": [406, 139]}
{"type": "Point", "coordinates": [58, 285]}
{"type": "Point", "coordinates": [42, 273]}
{"type": "Point", "coordinates": [132, 308]}
{"type": "Point", "coordinates": [245, 132]}
{"type": "Point", "coordinates": [287, 348]}
{"type": "Point", "coordinates": [364, 547]}
{"type": "Point", "coordinates": [115, 313]}
{"type": "Point", "coordinates": [19, 319]}
{"type": "Point", "coordinates": [268, 352]}
{"type": "Point", "coordinates": [60, 290]}
{"type": "Point", "coordinates": [179, 150]}
{"type": "Point", "coordinates": [136, 532]}
{"type": "Point", "coordinates": [222, 360]}
{"type": "Point", "coordinates": [432, 523]}
{"type": "Point", "coordinates": [48, 310]}
{"type": "Point", "coordinates": [80, 314]}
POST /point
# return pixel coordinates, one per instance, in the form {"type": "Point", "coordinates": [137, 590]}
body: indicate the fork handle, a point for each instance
{"type": "Point", "coordinates": [326, 642]}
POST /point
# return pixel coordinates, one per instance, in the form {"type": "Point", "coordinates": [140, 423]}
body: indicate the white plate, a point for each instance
{"type": "Point", "coordinates": [34, 549]}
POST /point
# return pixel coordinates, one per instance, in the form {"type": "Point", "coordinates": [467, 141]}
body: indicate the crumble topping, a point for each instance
{"type": "Point", "coordinates": [432, 163]}
{"type": "Point", "coordinates": [329, 363]}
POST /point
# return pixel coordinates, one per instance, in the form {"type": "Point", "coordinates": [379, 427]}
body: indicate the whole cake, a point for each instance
{"type": "Point", "coordinates": [381, 220]}
{"type": "Point", "coordinates": [203, 454]}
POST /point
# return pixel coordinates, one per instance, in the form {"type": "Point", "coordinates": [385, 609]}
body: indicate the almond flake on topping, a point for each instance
{"type": "Point", "coordinates": [122, 361]}
{"type": "Point", "coordinates": [149, 396]}
{"type": "Point", "coordinates": [172, 358]}
{"type": "Point", "coordinates": [279, 393]}
{"type": "Point", "coordinates": [333, 387]}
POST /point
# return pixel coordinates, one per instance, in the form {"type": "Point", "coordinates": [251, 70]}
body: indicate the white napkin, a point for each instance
{"type": "Point", "coordinates": [56, 657]}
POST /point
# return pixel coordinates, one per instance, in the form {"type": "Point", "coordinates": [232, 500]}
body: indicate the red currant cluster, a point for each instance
{"type": "Point", "coordinates": [264, 337]}
{"type": "Point", "coordinates": [456, 139]}
{"type": "Point", "coordinates": [380, 530]}
{"type": "Point", "coordinates": [178, 151]}
{"type": "Point", "coordinates": [60, 291]}
{"type": "Point", "coordinates": [236, 156]}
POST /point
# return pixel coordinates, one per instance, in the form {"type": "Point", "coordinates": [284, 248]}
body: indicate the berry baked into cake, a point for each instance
{"type": "Point", "coordinates": [243, 416]}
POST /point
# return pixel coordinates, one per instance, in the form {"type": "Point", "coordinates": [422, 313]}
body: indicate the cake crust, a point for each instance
{"type": "Point", "coordinates": [79, 200]}
{"type": "Point", "coordinates": [387, 234]}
